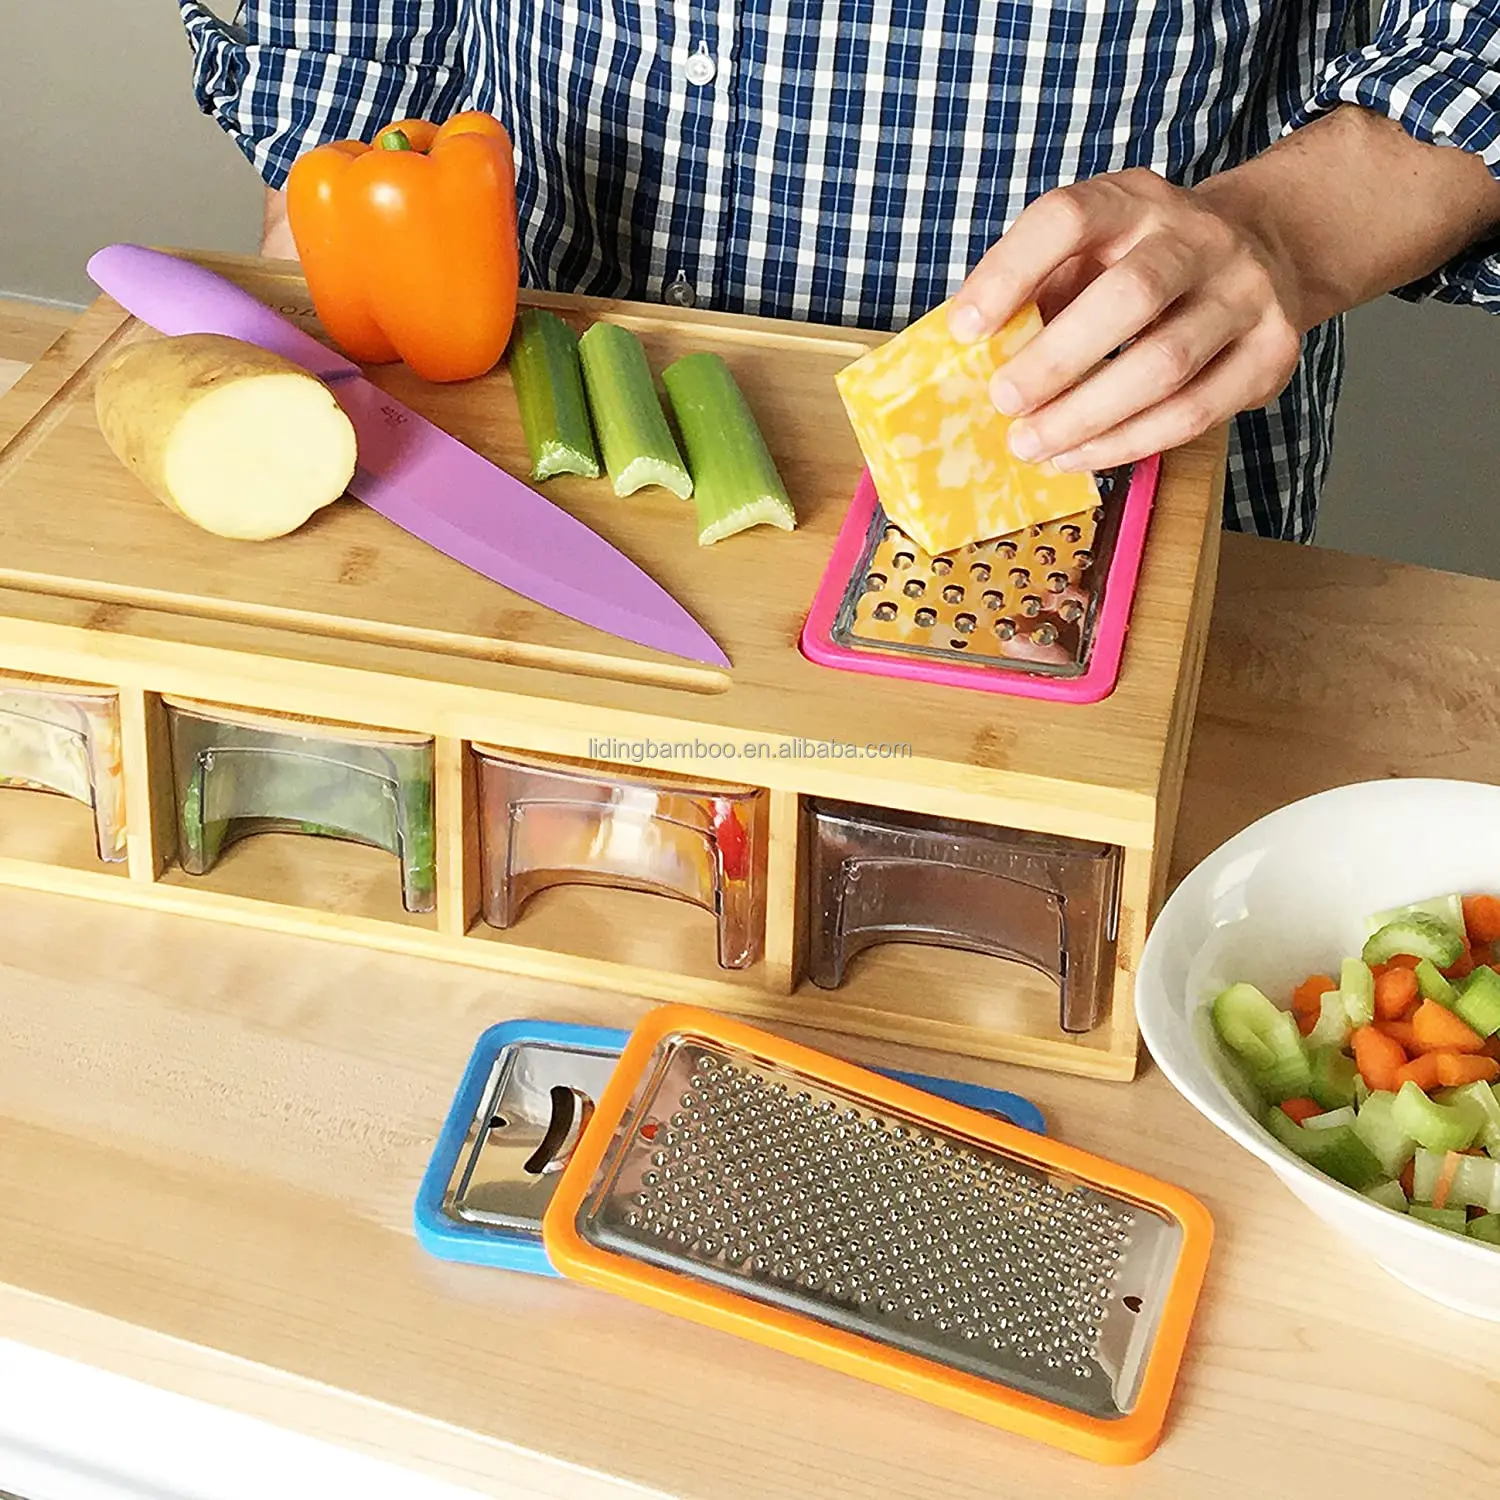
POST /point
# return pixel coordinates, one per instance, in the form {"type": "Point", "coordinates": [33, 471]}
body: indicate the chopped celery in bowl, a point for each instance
{"type": "Point", "coordinates": [1320, 989]}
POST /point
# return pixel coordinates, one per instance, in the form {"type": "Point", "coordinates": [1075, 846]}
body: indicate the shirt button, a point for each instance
{"type": "Point", "coordinates": [680, 293]}
{"type": "Point", "coordinates": [700, 68]}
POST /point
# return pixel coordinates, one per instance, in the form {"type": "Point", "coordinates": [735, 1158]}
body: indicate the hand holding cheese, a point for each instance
{"type": "Point", "coordinates": [235, 439]}
{"type": "Point", "coordinates": [938, 450]}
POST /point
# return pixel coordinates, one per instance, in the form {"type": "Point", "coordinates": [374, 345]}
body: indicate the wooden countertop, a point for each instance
{"type": "Point", "coordinates": [210, 1140]}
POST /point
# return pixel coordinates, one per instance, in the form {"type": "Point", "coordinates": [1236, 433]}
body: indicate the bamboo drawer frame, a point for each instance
{"type": "Point", "coordinates": [352, 621]}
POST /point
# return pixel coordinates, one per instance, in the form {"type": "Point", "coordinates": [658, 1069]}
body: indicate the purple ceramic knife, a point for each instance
{"type": "Point", "coordinates": [418, 476]}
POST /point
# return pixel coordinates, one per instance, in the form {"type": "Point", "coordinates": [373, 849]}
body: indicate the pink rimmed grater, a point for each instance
{"type": "Point", "coordinates": [1042, 613]}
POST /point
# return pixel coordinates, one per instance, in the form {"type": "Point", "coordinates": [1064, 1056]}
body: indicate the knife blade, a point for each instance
{"type": "Point", "coordinates": [416, 475]}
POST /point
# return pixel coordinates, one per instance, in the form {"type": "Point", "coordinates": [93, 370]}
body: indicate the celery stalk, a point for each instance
{"type": "Point", "coordinates": [735, 479]}
{"type": "Point", "coordinates": [1333, 1076]}
{"type": "Point", "coordinates": [1454, 1220]}
{"type": "Point", "coordinates": [638, 445]}
{"type": "Point", "coordinates": [1338, 1151]}
{"type": "Point", "coordinates": [1438, 1127]}
{"type": "Point", "coordinates": [1376, 1126]}
{"type": "Point", "coordinates": [1478, 1000]}
{"type": "Point", "coordinates": [1483, 1097]}
{"type": "Point", "coordinates": [1357, 987]}
{"type": "Point", "coordinates": [1388, 1194]}
{"type": "Point", "coordinates": [548, 377]}
{"type": "Point", "coordinates": [1486, 1228]}
{"type": "Point", "coordinates": [1432, 986]}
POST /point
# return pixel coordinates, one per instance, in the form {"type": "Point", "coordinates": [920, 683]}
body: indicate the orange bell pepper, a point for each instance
{"type": "Point", "coordinates": [410, 246]}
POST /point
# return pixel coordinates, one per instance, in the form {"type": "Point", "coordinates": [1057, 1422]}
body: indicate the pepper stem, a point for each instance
{"type": "Point", "coordinates": [395, 140]}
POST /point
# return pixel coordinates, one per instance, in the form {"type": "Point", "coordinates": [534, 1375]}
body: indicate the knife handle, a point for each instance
{"type": "Point", "coordinates": [175, 296]}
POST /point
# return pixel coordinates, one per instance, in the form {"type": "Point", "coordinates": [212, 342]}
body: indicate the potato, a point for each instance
{"type": "Point", "coordinates": [237, 440]}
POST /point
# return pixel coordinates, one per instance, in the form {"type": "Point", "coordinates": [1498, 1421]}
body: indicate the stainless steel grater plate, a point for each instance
{"type": "Point", "coordinates": [777, 1188]}
{"type": "Point", "coordinates": [1029, 601]}
{"type": "Point", "coordinates": [535, 1105]}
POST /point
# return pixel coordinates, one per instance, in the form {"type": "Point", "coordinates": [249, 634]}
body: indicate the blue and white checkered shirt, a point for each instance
{"type": "Point", "coordinates": [848, 161]}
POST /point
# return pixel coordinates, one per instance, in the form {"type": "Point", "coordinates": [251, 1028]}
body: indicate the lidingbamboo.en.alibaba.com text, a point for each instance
{"type": "Point", "coordinates": [639, 751]}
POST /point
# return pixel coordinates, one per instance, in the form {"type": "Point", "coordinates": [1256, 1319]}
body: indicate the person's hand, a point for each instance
{"type": "Point", "coordinates": [1201, 309]}
{"type": "Point", "coordinates": [276, 242]}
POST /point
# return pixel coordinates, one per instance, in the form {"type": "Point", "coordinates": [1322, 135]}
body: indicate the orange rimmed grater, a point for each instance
{"type": "Point", "coordinates": [760, 1187]}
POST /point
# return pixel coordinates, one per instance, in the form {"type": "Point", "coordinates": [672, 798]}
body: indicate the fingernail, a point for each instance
{"type": "Point", "coordinates": [1067, 462]}
{"type": "Point", "coordinates": [1007, 398]}
{"type": "Point", "coordinates": [966, 323]}
{"type": "Point", "coordinates": [1024, 443]}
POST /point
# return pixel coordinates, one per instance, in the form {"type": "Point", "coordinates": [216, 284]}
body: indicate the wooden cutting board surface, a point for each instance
{"type": "Point", "coordinates": [75, 525]}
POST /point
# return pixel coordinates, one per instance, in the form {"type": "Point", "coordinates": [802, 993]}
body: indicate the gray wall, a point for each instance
{"type": "Point", "coordinates": [1416, 473]}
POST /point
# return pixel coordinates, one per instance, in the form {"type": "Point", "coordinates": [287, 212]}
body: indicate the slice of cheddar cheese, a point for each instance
{"type": "Point", "coordinates": [937, 448]}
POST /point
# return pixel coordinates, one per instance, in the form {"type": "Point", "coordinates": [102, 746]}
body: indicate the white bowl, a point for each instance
{"type": "Point", "coordinates": [1286, 898]}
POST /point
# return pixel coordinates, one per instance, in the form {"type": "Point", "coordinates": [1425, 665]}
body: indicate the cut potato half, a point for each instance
{"type": "Point", "coordinates": [233, 438]}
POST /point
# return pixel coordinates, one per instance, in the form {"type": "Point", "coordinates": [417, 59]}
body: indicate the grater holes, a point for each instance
{"type": "Point", "coordinates": [874, 582]}
{"type": "Point", "coordinates": [1046, 555]}
{"type": "Point", "coordinates": [1020, 577]}
{"type": "Point", "coordinates": [979, 572]}
{"type": "Point", "coordinates": [885, 610]}
{"type": "Point", "coordinates": [1031, 604]}
{"type": "Point", "coordinates": [926, 617]}
{"type": "Point", "coordinates": [1056, 582]}
{"type": "Point", "coordinates": [904, 560]}
{"type": "Point", "coordinates": [914, 588]}
{"type": "Point", "coordinates": [942, 566]}
{"type": "Point", "coordinates": [1070, 610]}
{"type": "Point", "coordinates": [953, 593]}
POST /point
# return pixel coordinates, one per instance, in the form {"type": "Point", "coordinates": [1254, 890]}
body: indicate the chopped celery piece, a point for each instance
{"type": "Point", "coordinates": [1266, 1039]}
{"type": "Point", "coordinates": [548, 376]}
{"type": "Point", "coordinates": [1438, 1127]}
{"type": "Point", "coordinates": [1332, 1027]}
{"type": "Point", "coordinates": [1432, 985]}
{"type": "Point", "coordinates": [1427, 1167]}
{"type": "Point", "coordinates": [1486, 1228]}
{"type": "Point", "coordinates": [1388, 1194]}
{"type": "Point", "coordinates": [638, 445]}
{"type": "Point", "coordinates": [1357, 989]}
{"type": "Point", "coordinates": [735, 481]}
{"type": "Point", "coordinates": [1418, 935]}
{"type": "Point", "coordinates": [1361, 1090]}
{"type": "Point", "coordinates": [1339, 1152]}
{"type": "Point", "coordinates": [1454, 1220]}
{"type": "Point", "coordinates": [1482, 1097]}
{"type": "Point", "coordinates": [1330, 1119]}
{"type": "Point", "coordinates": [1333, 1077]}
{"type": "Point", "coordinates": [1232, 1068]}
{"type": "Point", "coordinates": [1478, 1001]}
{"type": "Point", "coordinates": [1449, 910]}
{"type": "Point", "coordinates": [1473, 1182]}
{"type": "Point", "coordinates": [1376, 1126]}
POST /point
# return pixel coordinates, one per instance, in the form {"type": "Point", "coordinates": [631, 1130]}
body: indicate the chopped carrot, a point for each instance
{"type": "Point", "coordinates": [1307, 1000]}
{"type": "Point", "coordinates": [1408, 1178]}
{"type": "Point", "coordinates": [1301, 1109]}
{"type": "Point", "coordinates": [1399, 1031]}
{"type": "Point", "coordinates": [1396, 994]}
{"type": "Point", "coordinates": [1402, 961]}
{"type": "Point", "coordinates": [1491, 1047]}
{"type": "Point", "coordinates": [1421, 1070]}
{"type": "Point", "coordinates": [1444, 1185]}
{"type": "Point", "coordinates": [1458, 1068]}
{"type": "Point", "coordinates": [1482, 918]}
{"type": "Point", "coordinates": [1437, 1029]}
{"type": "Point", "coordinates": [1378, 1057]}
{"type": "Point", "coordinates": [1464, 966]}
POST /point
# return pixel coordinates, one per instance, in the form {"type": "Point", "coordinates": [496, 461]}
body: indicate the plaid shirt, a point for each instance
{"type": "Point", "coordinates": [850, 162]}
